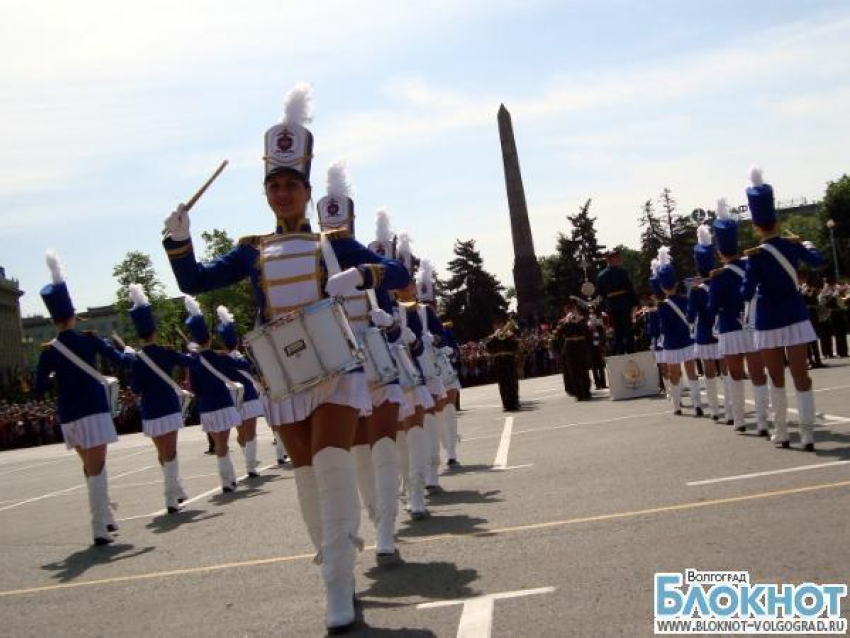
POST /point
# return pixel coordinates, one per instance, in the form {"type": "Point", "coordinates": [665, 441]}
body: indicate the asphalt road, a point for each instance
{"type": "Point", "coordinates": [567, 509]}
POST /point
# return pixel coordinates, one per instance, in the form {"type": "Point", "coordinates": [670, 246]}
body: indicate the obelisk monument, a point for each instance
{"type": "Point", "coordinates": [528, 280]}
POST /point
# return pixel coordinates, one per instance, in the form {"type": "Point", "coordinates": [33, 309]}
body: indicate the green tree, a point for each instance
{"type": "Point", "coordinates": [136, 268]}
{"type": "Point", "coordinates": [238, 298]}
{"type": "Point", "coordinates": [562, 277]}
{"type": "Point", "coordinates": [583, 236]}
{"type": "Point", "coordinates": [473, 295]}
{"type": "Point", "coordinates": [836, 206]}
{"type": "Point", "coordinates": [632, 261]}
{"type": "Point", "coordinates": [652, 237]}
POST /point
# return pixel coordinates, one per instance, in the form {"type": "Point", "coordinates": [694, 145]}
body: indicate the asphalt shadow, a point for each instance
{"type": "Point", "coordinates": [466, 469]}
{"type": "Point", "coordinates": [78, 563]}
{"type": "Point", "coordinates": [165, 523]}
{"type": "Point", "coordinates": [436, 580]}
{"type": "Point", "coordinates": [362, 628]}
{"type": "Point", "coordinates": [455, 497]}
{"type": "Point", "coordinates": [442, 524]}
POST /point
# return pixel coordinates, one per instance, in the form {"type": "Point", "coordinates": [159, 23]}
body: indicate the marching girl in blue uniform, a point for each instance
{"type": "Point", "coordinates": [734, 337]}
{"type": "Point", "coordinates": [781, 319]}
{"type": "Point", "coordinates": [253, 404]}
{"type": "Point", "coordinates": [84, 396]}
{"type": "Point", "coordinates": [161, 398]}
{"type": "Point", "coordinates": [653, 327]}
{"type": "Point", "coordinates": [288, 273]}
{"type": "Point", "coordinates": [376, 459]}
{"type": "Point", "coordinates": [217, 396]}
{"type": "Point", "coordinates": [706, 346]}
{"type": "Point", "coordinates": [676, 332]}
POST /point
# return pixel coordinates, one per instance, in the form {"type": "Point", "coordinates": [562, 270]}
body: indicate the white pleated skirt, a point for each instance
{"type": "Point", "coordinates": [90, 431]}
{"type": "Point", "coordinates": [349, 390]}
{"type": "Point", "coordinates": [679, 356]}
{"type": "Point", "coordinates": [736, 342]}
{"type": "Point", "coordinates": [437, 389]}
{"type": "Point", "coordinates": [454, 385]}
{"type": "Point", "coordinates": [418, 397]}
{"type": "Point", "coordinates": [795, 334]}
{"type": "Point", "coordinates": [391, 392]}
{"type": "Point", "coordinates": [220, 420]}
{"type": "Point", "coordinates": [252, 409]}
{"type": "Point", "coordinates": [162, 425]}
{"type": "Point", "coordinates": [660, 357]}
{"type": "Point", "coordinates": [707, 351]}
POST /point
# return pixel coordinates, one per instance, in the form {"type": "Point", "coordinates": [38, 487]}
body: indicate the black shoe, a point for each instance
{"type": "Point", "coordinates": [785, 445]}
{"type": "Point", "coordinates": [452, 463]}
{"type": "Point", "coordinates": [764, 433]}
{"type": "Point", "coordinates": [741, 429]}
{"type": "Point", "coordinates": [227, 490]}
{"type": "Point", "coordinates": [283, 461]}
{"type": "Point", "coordinates": [715, 418]}
{"type": "Point", "coordinates": [210, 452]}
{"type": "Point", "coordinates": [173, 510]}
{"type": "Point", "coordinates": [418, 516]}
{"type": "Point", "coordinates": [253, 475]}
{"type": "Point", "coordinates": [434, 489]}
{"type": "Point", "coordinates": [730, 422]}
{"type": "Point", "coordinates": [341, 629]}
{"type": "Point", "coordinates": [677, 412]}
{"type": "Point", "coordinates": [100, 542]}
{"type": "Point", "coordinates": [809, 447]}
{"type": "Point", "coordinates": [388, 560]}
{"type": "Point", "coordinates": [112, 528]}
{"type": "Point", "coordinates": [699, 412]}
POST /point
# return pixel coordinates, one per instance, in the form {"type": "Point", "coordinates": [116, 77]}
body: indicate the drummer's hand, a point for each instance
{"type": "Point", "coordinates": [446, 350]}
{"type": "Point", "coordinates": [177, 225]}
{"type": "Point", "coordinates": [344, 283]}
{"type": "Point", "coordinates": [408, 336]}
{"type": "Point", "coordinates": [193, 347]}
{"type": "Point", "coordinates": [380, 318]}
{"type": "Point", "coordinates": [129, 350]}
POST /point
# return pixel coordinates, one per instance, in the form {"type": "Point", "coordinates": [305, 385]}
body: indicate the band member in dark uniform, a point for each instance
{"type": "Point", "coordinates": [573, 339]}
{"type": "Point", "coordinates": [503, 347]}
{"type": "Point", "coordinates": [597, 350]}
{"type": "Point", "coordinates": [615, 288]}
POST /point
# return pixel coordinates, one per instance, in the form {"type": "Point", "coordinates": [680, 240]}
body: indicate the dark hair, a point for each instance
{"type": "Point", "coordinates": [286, 170]}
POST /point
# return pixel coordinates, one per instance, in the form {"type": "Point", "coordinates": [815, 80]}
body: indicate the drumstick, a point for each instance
{"type": "Point", "coordinates": [182, 334]}
{"type": "Point", "coordinates": [194, 199]}
{"type": "Point", "coordinates": [118, 340]}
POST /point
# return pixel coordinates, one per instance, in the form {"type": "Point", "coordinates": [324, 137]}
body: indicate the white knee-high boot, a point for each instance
{"type": "Point", "coordinates": [728, 412]}
{"type": "Point", "coordinates": [226, 473]}
{"type": "Point", "coordinates": [385, 463]}
{"type": "Point", "coordinates": [417, 446]}
{"type": "Point", "coordinates": [760, 398]}
{"type": "Point", "coordinates": [448, 432]}
{"type": "Point", "coordinates": [308, 501]}
{"type": "Point", "coordinates": [711, 394]}
{"type": "Point", "coordinates": [174, 494]}
{"type": "Point", "coordinates": [696, 396]}
{"type": "Point", "coordinates": [675, 393]}
{"type": "Point", "coordinates": [779, 402]}
{"type": "Point", "coordinates": [432, 478]}
{"type": "Point", "coordinates": [339, 510]}
{"type": "Point", "coordinates": [99, 508]}
{"type": "Point", "coordinates": [806, 412]}
{"type": "Point", "coordinates": [365, 478]}
{"type": "Point", "coordinates": [250, 453]}
{"type": "Point", "coordinates": [738, 409]}
{"type": "Point", "coordinates": [403, 460]}
{"type": "Point", "coordinates": [280, 451]}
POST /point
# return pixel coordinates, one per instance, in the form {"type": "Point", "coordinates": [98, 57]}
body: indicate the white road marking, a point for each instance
{"type": "Point", "coordinates": [194, 499]}
{"type": "Point", "coordinates": [511, 467]}
{"type": "Point", "coordinates": [476, 619]}
{"type": "Point", "coordinates": [69, 456]}
{"type": "Point", "coordinates": [65, 491]}
{"type": "Point", "coordinates": [501, 461]}
{"type": "Point", "coordinates": [741, 477]}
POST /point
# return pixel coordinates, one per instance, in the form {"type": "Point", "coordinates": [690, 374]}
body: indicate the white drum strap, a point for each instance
{"type": "Point", "coordinates": [82, 365]}
{"type": "Point", "coordinates": [160, 373]}
{"type": "Point", "coordinates": [252, 381]}
{"type": "Point", "coordinates": [423, 317]}
{"type": "Point", "coordinates": [331, 262]}
{"type": "Point", "coordinates": [679, 312]}
{"type": "Point", "coordinates": [218, 374]}
{"type": "Point", "coordinates": [778, 256]}
{"type": "Point", "coordinates": [402, 315]}
{"type": "Point", "coordinates": [735, 269]}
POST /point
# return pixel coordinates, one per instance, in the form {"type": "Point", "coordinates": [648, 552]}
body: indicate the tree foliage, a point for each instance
{"type": "Point", "coordinates": [473, 295]}
{"type": "Point", "coordinates": [238, 298]}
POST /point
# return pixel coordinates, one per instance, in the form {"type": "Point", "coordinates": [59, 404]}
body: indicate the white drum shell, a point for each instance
{"type": "Point", "coordinates": [380, 365]}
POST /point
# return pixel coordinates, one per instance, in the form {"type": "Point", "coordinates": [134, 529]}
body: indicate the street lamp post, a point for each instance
{"type": "Point", "coordinates": [830, 223]}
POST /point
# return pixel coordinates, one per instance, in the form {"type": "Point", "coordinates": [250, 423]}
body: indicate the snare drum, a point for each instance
{"type": "Point", "coordinates": [379, 364]}
{"type": "Point", "coordinates": [447, 372]}
{"type": "Point", "coordinates": [408, 373]}
{"type": "Point", "coordinates": [186, 399]}
{"type": "Point", "coordinates": [113, 394]}
{"type": "Point", "coordinates": [428, 363]}
{"type": "Point", "coordinates": [237, 393]}
{"type": "Point", "coordinates": [301, 349]}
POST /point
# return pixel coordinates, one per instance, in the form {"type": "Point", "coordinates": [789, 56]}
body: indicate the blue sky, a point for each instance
{"type": "Point", "coordinates": [112, 113]}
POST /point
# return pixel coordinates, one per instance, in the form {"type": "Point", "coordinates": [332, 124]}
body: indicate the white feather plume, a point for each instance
{"type": "Point", "coordinates": [57, 273]}
{"type": "Point", "coordinates": [756, 175]}
{"type": "Point", "coordinates": [663, 256]}
{"type": "Point", "coordinates": [704, 235]}
{"type": "Point", "coordinates": [404, 253]}
{"type": "Point", "coordinates": [722, 209]}
{"type": "Point", "coordinates": [653, 266]}
{"type": "Point", "coordinates": [137, 295]}
{"type": "Point", "coordinates": [192, 306]}
{"type": "Point", "coordinates": [339, 183]}
{"type": "Point", "coordinates": [383, 230]}
{"type": "Point", "coordinates": [298, 106]}
{"type": "Point", "coordinates": [224, 315]}
{"type": "Point", "coordinates": [426, 272]}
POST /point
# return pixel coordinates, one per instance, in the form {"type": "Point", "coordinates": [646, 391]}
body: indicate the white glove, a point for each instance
{"type": "Point", "coordinates": [446, 350]}
{"type": "Point", "coordinates": [427, 338]}
{"type": "Point", "coordinates": [193, 347]}
{"type": "Point", "coordinates": [380, 318]}
{"type": "Point", "coordinates": [344, 283]}
{"type": "Point", "coordinates": [129, 350]}
{"type": "Point", "coordinates": [177, 224]}
{"type": "Point", "coordinates": [407, 335]}
{"type": "Point", "coordinates": [809, 245]}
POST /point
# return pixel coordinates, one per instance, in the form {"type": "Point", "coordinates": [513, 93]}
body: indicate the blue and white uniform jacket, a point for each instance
{"type": "Point", "coordinates": [700, 315]}
{"type": "Point", "coordinates": [676, 332]}
{"type": "Point", "coordinates": [158, 398]}
{"type": "Point", "coordinates": [724, 296]}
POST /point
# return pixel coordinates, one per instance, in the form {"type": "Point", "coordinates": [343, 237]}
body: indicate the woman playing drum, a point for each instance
{"type": "Point", "coordinates": [288, 273]}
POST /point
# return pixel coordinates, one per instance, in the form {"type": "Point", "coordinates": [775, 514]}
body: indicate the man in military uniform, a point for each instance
{"type": "Point", "coordinates": [503, 346]}
{"type": "Point", "coordinates": [573, 340]}
{"type": "Point", "coordinates": [618, 294]}
{"type": "Point", "coordinates": [597, 350]}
